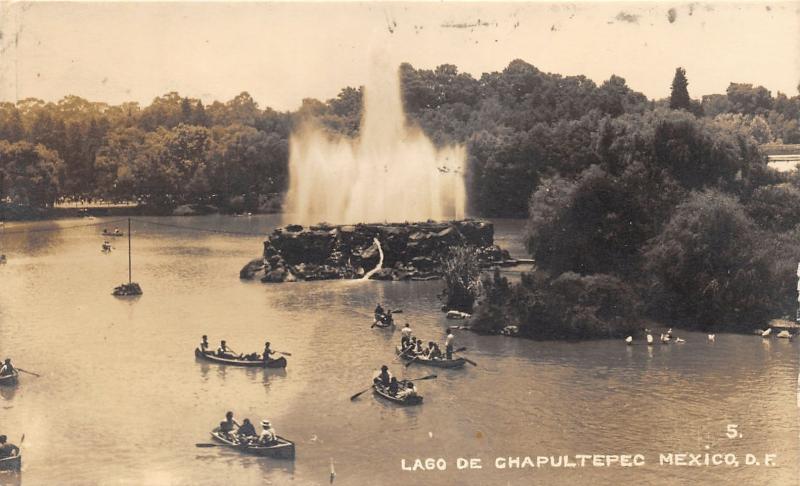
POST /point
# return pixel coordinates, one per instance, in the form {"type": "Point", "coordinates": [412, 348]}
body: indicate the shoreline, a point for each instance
{"type": "Point", "coordinates": [77, 212]}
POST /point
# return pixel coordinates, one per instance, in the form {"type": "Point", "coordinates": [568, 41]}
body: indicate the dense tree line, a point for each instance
{"type": "Point", "coordinates": [674, 217]}
{"type": "Point", "coordinates": [174, 151]}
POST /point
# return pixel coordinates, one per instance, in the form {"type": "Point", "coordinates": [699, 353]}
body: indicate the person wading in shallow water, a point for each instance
{"type": "Point", "coordinates": [6, 449]}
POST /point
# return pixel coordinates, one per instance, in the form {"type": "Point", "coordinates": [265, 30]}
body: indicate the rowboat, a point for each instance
{"type": "Point", "coordinates": [13, 463]}
{"type": "Point", "coordinates": [273, 363]}
{"type": "Point", "coordinates": [383, 392]}
{"type": "Point", "coordinates": [382, 324]}
{"type": "Point", "coordinates": [9, 380]}
{"type": "Point", "coordinates": [438, 363]}
{"type": "Point", "coordinates": [282, 449]}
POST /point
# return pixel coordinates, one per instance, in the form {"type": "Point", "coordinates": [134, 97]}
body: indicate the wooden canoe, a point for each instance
{"type": "Point", "coordinates": [383, 392]}
{"type": "Point", "coordinates": [13, 463]}
{"type": "Point", "coordinates": [273, 363]}
{"type": "Point", "coordinates": [9, 380]}
{"type": "Point", "coordinates": [282, 449]}
{"type": "Point", "coordinates": [438, 363]}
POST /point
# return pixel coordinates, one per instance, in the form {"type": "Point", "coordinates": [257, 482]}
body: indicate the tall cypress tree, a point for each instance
{"type": "Point", "coordinates": [679, 98]}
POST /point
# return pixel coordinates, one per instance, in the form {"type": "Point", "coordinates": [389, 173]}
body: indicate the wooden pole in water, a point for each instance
{"type": "Point", "coordinates": [130, 279]}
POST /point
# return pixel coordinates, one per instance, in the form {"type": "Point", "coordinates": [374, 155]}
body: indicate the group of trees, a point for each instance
{"type": "Point", "coordinates": [675, 216]}
{"type": "Point", "coordinates": [174, 151]}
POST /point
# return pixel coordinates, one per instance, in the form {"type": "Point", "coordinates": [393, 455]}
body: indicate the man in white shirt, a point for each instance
{"type": "Point", "coordinates": [267, 433]}
{"type": "Point", "coordinates": [448, 344]}
{"type": "Point", "coordinates": [406, 336]}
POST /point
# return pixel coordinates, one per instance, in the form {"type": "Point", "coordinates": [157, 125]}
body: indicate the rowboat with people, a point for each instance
{"type": "Point", "coordinates": [438, 363]}
{"type": "Point", "coordinates": [400, 398]}
{"type": "Point", "coordinates": [281, 449]}
{"type": "Point", "coordinates": [252, 363]}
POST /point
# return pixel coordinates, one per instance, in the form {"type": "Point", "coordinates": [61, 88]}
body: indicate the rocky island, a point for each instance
{"type": "Point", "coordinates": [395, 251]}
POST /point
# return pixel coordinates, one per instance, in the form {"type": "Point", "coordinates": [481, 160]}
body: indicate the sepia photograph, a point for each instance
{"type": "Point", "coordinates": [399, 243]}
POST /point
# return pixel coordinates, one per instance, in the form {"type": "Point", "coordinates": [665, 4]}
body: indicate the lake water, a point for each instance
{"type": "Point", "coordinates": [122, 399]}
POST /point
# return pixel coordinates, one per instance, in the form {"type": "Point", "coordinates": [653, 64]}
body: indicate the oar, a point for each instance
{"type": "Point", "coordinates": [468, 360]}
{"type": "Point", "coordinates": [284, 353]}
{"type": "Point", "coordinates": [207, 445]}
{"type": "Point", "coordinates": [29, 372]}
{"type": "Point", "coordinates": [412, 360]}
{"type": "Point", "coordinates": [398, 311]}
{"type": "Point", "coordinates": [360, 393]}
{"type": "Point", "coordinates": [429, 377]}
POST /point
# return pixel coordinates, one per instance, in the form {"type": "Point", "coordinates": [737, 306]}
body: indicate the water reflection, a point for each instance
{"type": "Point", "coordinates": [8, 392]}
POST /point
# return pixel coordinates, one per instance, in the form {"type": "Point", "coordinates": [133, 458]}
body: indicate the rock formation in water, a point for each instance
{"type": "Point", "coordinates": [411, 251]}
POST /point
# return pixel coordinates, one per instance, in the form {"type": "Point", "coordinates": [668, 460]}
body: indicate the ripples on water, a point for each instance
{"type": "Point", "coordinates": [122, 399]}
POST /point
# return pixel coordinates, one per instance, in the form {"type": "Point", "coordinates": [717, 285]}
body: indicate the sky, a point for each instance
{"type": "Point", "coordinates": [283, 52]}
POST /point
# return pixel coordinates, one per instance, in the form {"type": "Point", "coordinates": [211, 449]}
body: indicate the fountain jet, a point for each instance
{"type": "Point", "coordinates": [390, 172]}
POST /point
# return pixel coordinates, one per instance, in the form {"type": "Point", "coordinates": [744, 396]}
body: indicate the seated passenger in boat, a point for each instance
{"type": "Point", "coordinates": [224, 352]}
{"type": "Point", "coordinates": [246, 430]}
{"type": "Point", "coordinates": [226, 427]}
{"type": "Point", "coordinates": [385, 377]}
{"type": "Point", "coordinates": [268, 435]}
{"type": "Point", "coordinates": [435, 353]}
{"type": "Point", "coordinates": [204, 344]}
{"type": "Point", "coordinates": [6, 449]}
{"type": "Point", "coordinates": [407, 392]}
{"type": "Point", "coordinates": [418, 347]}
{"type": "Point", "coordinates": [408, 348]}
{"type": "Point", "coordinates": [427, 351]}
{"type": "Point", "coordinates": [7, 368]}
{"type": "Point", "coordinates": [267, 352]}
{"type": "Point", "coordinates": [394, 386]}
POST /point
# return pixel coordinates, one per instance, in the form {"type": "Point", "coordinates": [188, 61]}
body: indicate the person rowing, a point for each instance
{"type": "Point", "coordinates": [384, 378]}
{"type": "Point", "coordinates": [267, 352]}
{"type": "Point", "coordinates": [448, 343]}
{"type": "Point", "coordinates": [224, 352]}
{"type": "Point", "coordinates": [394, 386]}
{"type": "Point", "coordinates": [268, 435]}
{"type": "Point", "coordinates": [226, 427]}
{"type": "Point", "coordinates": [378, 312]}
{"type": "Point", "coordinates": [7, 449]}
{"type": "Point", "coordinates": [7, 368]}
{"type": "Point", "coordinates": [204, 344]}
{"type": "Point", "coordinates": [405, 332]}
